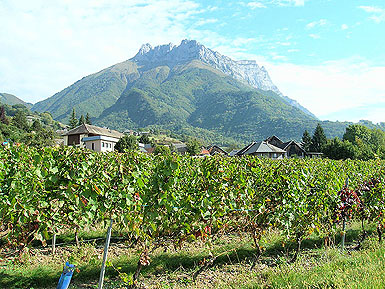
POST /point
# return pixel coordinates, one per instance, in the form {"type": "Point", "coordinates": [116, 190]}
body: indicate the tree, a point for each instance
{"type": "Point", "coordinates": [126, 143]}
{"type": "Point", "coordinates": [144, 138]}
{"type": "Point", "coordinates": [20, 120]}
{"type": "Point", "coordinates": [377, 141]}
{"type": "Point", "coordinates": [82, 120]}
{"type": "Point", "coordinates": [73, 121]}
{"type": "Point", "coordinates": [355, 132]}
{"type": "Point", "coordinates": [318, 140]}
{"type": "Point", "coordinates": [306, 141]}
{"type": "Point", "coordinates": [193, 146]}
{"type": "Point", "coordinates": [88, 119]}
{"type": "Point", "coordinates": [162, 150]}
{"type": "Point", "coordinates": [364, 151]}
{"type": "Point", "coordinates": [36, 126]}
{"type": "Point", "coordinates": [41, 138]}
{"type": "Point", "coordinates": [46, 118]}
{"type": "Point", "coordinates": [339, 150]}
{"type": "Point", "coordinates": [3, 116]}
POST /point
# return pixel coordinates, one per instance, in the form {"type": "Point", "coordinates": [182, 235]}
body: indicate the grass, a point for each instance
{"type": "Point", "coordinates": [317, 267]}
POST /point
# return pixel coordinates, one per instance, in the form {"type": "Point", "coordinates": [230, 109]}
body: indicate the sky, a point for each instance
{"type": "Point", "coordinates": [329, 55]}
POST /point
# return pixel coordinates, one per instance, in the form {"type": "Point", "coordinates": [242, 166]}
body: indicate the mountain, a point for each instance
{"type": "Point", "coordinates": [10, 99]}
{"type": "Point", "coordinates": [246, 71]}
{"type": "Point", "coordinates": [188, 89]}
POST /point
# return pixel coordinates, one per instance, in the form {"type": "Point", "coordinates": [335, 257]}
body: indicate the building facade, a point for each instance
{"type": "Point", "coordinates": [92, 137]}
{"type": "Point", "coordinates": [262, 149]}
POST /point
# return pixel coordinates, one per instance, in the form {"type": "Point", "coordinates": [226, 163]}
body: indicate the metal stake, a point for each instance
{"type": "Point", "coordinates": [343, 233]}
{"type": "Point", "coordinates": [53, 243]}
{"type": "Point", "coordinates": [344, 221]}
{"type": "Point", "coordinates": [101, 278]}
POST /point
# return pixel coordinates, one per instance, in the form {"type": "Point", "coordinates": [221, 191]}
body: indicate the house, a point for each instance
{"type": "Point", "coordinates": [143, 150]}
{"type": "Point", "coordinates": [146, 148]}
{"type": "Point", "coordinates": [214, 150]}
{"type": "Point", "coordinates": [179, 148]}
{"type": "Point", "coordinates": [274, 140]}
{"type": "Point", "coordinates": [262, 149]}
{"type": "Point", "coordinates": [292, 148]}
{"type": "Point", "coordinates": [92, 137]}
{"type": "Point", "coordinates": [204, 152]}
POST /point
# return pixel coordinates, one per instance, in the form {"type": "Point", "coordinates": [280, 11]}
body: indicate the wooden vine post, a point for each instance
{"type": "Point", "coordinates": [101, 277]}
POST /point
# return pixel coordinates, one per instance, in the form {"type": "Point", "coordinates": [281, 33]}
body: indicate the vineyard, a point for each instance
{"type": "Point", "coordinates": [162, 200]}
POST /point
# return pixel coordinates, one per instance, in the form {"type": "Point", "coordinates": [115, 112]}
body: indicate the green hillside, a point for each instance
{"type": "Point", "coordinates": [10, 99]}
{"type": "Point", "coordinates": [92, 94]}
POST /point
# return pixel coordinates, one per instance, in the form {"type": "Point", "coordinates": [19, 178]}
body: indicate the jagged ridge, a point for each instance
{"type": "Point", "coordinates": [247, 71]}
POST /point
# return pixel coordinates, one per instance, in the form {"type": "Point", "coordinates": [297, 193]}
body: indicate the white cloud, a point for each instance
{"type": "Point", "coordinates": [284, 43]}
{"type": "Point", "coordinates": [279, 57]}
{"type": "Point", "coordinates": [371, 9]}
{"type": "Point", "coordinates": [206, 21]}
{"type": "Point", "coordinates": [344, 27]}
{"type": "Point", "coordinates": [333, 86]}
{"type": "Point", "coordinates": [254, 5]}
{"type": "Point", "coordinates": [314, 36]}
{"type": "Point", "coordinates": [321, 22]}
{"type": "Point", "coordinates": [266, 3]}
{"type": "Point", "coordinates": [290, 2]}
{"type": "Point", "coordinates": [377, 13]}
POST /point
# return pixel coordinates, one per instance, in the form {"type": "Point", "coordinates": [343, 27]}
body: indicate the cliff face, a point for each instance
{"type": "Point", "coordinates": [247, 71]}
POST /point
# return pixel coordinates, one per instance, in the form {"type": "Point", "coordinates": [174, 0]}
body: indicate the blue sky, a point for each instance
{"type": "Point", "coordinates": [327, 54]}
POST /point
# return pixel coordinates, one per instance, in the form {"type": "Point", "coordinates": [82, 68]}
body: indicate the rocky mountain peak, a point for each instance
{"type": "Point", "coordinates": [244, 70]}
{"type": "Point", "coordinates": [145, 48]}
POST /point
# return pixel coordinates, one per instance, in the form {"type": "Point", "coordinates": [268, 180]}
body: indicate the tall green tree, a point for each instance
{"type": "Point", "coordinates": [88, 119]}
{"type": "Point", "coordinates": [82, 120]}
{"type": "Point", "coordinates": [318, 140]}
{"type": "Point", "coordinates": [20, 120]}
{"type": "Point", "coordinates": [356, 132]}
{"type": "Point", "coordinates": [73, 121]}
{"type": "Point", "coordinates": [377, 141]}
{"type": "Point", "coordinates": [126, 143]}
{"type": "Point", "coordinates": [306, 141]}
{"type": "Point", "coordinates": [3, 116]}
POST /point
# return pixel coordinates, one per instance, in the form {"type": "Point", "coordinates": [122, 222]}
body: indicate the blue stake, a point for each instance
{"type": "Point", "coordinates": [66, 276]}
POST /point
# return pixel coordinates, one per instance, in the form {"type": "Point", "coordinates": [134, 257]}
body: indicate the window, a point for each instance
{"type": "Point", "coordinates": [93, 146]}
{"type": "Point", "coordinates": [103, 144]}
